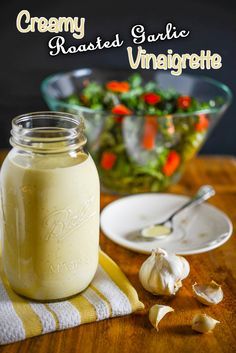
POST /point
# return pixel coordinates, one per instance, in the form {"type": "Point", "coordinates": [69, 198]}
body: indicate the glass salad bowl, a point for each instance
{"type": "Point", "coordinates": [141, 129]}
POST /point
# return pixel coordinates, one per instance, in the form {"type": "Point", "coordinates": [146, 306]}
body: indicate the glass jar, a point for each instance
{"type": "Point", "coordinates": [50, 207]}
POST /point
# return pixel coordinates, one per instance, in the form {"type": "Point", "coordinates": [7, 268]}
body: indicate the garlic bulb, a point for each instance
{"type": "Point", "coordinates": [157, 312]}
{"type": "Point", "coordinates": [203, 323]}
{"type": "Point", "coordinates": [162, 273]}
{"type": "Point", "coordinates": [208, 294]}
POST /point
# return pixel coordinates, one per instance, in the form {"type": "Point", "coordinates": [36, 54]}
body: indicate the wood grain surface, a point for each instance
{"type": "Point", "coordinates": [134, 333]}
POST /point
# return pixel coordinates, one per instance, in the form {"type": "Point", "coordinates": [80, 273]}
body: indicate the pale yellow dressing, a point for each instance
{"type": "Point", "coordinates": [51, 224]}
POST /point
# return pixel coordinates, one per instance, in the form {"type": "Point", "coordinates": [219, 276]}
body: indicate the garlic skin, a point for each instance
{"type": "Point", "coordinates": [157, 312]}
{"type": "Point", "coordinates": [208, 294]}
{"type": "Point", "coordinates": [162, 273]}
{"type": "Point", "coordinates": [204, 323]}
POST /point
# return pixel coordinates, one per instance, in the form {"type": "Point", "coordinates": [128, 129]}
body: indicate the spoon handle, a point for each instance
{"type": "Point", "coordinates": [203, 194]}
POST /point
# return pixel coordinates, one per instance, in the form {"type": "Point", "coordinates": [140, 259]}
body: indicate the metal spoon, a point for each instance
{"type": "Point", "coordinates": [162, 229]}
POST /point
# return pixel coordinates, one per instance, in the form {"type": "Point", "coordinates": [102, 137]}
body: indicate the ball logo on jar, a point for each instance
{"type": "Point", "coordinates": [61, 223]}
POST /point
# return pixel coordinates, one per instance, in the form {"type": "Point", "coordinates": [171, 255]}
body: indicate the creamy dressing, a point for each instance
{"type": "Point", "coordinates": [156, 231]}
{"type": "Point", "coordinates": [50, 212]}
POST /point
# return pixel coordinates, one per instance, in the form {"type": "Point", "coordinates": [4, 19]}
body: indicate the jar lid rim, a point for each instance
{"type": "Point", "coordinates": [62, 131]}
{"type": "Point", "coordinates": [77, 120]}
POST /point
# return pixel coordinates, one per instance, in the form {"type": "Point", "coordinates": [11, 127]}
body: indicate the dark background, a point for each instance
{"type": "Point", "coordinates": [25, 60]}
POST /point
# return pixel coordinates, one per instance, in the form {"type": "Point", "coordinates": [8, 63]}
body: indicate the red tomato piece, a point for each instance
{"type": "Point", "coordinates": [184, 102]}
{"type": "Point", "coordinates": [151, 98]}
{"type": "Point", "coordinates": [118, 87]}
{"type": "Point", "coordinates": [149, 132]}
{"type": "Point", "coordinates": [202, 123]}
{"type": "Point", "coordinates": [108, 160]}
{"type": "Point", "coordinates": [172, 163]}
{"type": "Point", "coordinates": [121, 109]}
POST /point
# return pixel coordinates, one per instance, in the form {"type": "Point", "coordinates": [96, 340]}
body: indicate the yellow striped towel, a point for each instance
{"type": "Point", "coordinates": [110, 294]}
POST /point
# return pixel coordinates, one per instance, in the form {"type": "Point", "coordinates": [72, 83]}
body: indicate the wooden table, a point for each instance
{"type": "Point", "coordinates": [134, 333]}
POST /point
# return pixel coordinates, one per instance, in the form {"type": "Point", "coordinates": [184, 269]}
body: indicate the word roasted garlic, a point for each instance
{"type": "Point", "coordinates": [162, 273]}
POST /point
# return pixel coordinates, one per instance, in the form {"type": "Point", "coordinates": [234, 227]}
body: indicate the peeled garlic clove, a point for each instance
{"type": "Point", "coordinates": [157, 312]}
{"type": "Point", "coordinates": [208, 294]}
{"type": "Point", "coordinates": [203, 323]}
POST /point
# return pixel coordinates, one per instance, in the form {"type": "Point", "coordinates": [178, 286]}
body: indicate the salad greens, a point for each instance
{"type": "Point", "coordinates": [142, 147]}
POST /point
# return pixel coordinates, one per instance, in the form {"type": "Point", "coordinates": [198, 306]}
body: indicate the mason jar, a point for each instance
{"type": "Point", "coordinates": [50, 207]}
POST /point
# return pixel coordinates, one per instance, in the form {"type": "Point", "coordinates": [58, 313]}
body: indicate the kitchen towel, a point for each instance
{"type": "Point", "coordinates": [110, 294]}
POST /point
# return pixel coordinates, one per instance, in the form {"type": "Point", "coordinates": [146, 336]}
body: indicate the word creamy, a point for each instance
{"type": "Point", "coordinates": [175, 62]}
{"type": "Point", "coordinates": [57, 44]}
{"type": "Point", "coordinates": [25, 23]}
{"type": "Point", "coordinates": [139, 35]}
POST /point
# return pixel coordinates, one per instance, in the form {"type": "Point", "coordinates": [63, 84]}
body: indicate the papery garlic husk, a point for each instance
{"type": "Point", "coordinates": [204, 323]}
{"type": "Point", "coordinates": [208, 294]}
{"type": "Point", "coordinates": [162, 273]}
{"type": "Point", "coordinates": [157, 312]}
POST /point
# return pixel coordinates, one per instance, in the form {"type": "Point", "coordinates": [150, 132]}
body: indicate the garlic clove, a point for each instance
{"type": "Point", "coordinates": [204, 323]}
{"type": "Point", "coordinates": [157, 312]}
{"type": "Point", "coordinates": [185, 267]}
{"type": "Point", "coordinates": [208, 294]}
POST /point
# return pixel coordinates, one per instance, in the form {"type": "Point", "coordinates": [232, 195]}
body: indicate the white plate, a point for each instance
{"type": "Point", "coordinates": [196, 230]}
